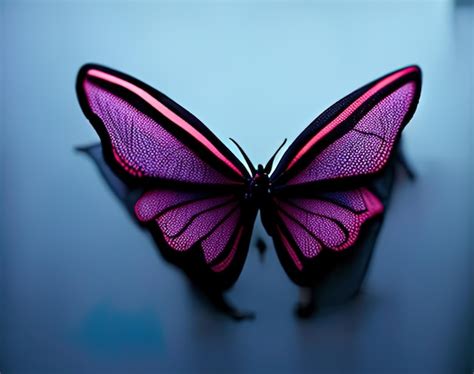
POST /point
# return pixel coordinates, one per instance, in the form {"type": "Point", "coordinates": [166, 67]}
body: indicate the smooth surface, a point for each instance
{"type": "Point", "coordinates": [82, 288]}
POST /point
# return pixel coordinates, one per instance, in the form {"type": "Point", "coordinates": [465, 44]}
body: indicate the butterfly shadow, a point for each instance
{"type": "Point", "coordinates": [128, 195]}
{"type": "Point", "coordinates": [339, 277]}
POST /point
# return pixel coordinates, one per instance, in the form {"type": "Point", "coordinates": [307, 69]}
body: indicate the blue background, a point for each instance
{"type": "Point", "coordinates": [82, 288]}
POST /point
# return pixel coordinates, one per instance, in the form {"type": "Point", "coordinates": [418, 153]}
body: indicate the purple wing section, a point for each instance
{"type": "Point", "coordinates": [366, 148]}
{"type": "Point", "coordinates": [143, 147]}
{"type": "Point", "coordinates": [188, 219]}
{"type": "Point", "coordinates": [148, 135]}
{"type": "Point", "coordinates": [331, 220]}
{"type": "Point", "coordinates": [355, 136]}
{"type": "Point", "coordinates": [225, 263]}
{"type": "Point", "coordinates": [220, 238]}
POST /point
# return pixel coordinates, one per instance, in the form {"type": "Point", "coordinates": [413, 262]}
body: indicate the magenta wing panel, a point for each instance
{"type": "Point", "coordinates": [213, 223]}
{"type": "Point", "coordinates": [148, 135]}
{"type": "Point", "coordinates": [354, 137]}
{"type": "Point", "coordinates": [332, 221]}
{"type": "Point", "coordinates": [366, 148]}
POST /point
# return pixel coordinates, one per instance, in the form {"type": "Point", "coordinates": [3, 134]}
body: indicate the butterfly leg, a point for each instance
{"type": "Point", "coordinates": [262, 248]}
{"type": "Point", "coordinates": [306, 306]}
{"type": "Point", "coordinates": [222, 304]}
{"type": "Point", "coordinates": [407, 168]}
{"type": "Point", "coordinates": [216, 301]}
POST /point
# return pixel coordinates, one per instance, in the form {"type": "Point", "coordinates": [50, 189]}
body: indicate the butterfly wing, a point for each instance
{"type": "Point", "coordinates": [194, 201]}
{"type": "Point", "coordinates": [207, 234]}
{"type": "Point", "coordinates": [321, 196]}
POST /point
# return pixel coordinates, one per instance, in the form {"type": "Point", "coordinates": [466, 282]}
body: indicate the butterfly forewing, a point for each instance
{"type": "Point", "coordinates": [355, 136]}
{"type": "Point", "coordinates": [148, 135]}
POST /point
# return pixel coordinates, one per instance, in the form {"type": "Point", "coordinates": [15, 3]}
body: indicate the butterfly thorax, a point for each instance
{"type": "Point", "coordinates": [259, 186]}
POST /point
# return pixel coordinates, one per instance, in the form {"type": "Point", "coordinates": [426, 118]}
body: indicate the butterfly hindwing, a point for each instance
{"type": "Point", "coordinates": [205, 233]}
{"type": "Point", "coordinates": [303, 227]}
{"type": "Point", "coordinates": [194, 200]}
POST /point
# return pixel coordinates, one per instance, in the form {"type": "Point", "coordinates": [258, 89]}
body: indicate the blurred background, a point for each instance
{"type": "Point", "coordinates": [82, 289]}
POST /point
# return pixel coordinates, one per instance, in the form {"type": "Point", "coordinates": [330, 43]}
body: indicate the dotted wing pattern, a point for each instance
{"type": "Point", "coordinates": [187, 219]}
{"type": "Point", "coordinates": [366, 148]}
{"type": "Point", "coordinates": [331, 220]}
{"type": "Point", "coordinates": [143, 147]}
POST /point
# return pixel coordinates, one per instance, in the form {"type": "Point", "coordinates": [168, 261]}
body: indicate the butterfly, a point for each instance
{"type": "Point", "coordinates": [200, 201]}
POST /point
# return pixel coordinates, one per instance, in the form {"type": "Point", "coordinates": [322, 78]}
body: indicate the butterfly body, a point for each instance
{"type": "Point", "coordinates": [200, 202]}
{"type": "Point", "coordinates": [258, 186]}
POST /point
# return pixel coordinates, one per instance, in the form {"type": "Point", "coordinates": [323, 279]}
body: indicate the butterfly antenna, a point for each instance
{"type": "Point", "coordinates": [268, 167]}
{"type": "Point", "coordinates": [247, 159]}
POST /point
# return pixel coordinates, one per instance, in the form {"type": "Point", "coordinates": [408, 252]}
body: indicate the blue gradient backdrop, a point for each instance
{"type": "Point", "coordinates": [82, 288]}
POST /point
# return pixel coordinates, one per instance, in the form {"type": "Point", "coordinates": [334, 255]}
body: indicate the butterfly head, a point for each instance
{"type": "Point", "coordinates": [260, 183]}
{"type": "Point", "coordinates": [259, 186]}
{"type": "Point", "coordinates": [261, 176]}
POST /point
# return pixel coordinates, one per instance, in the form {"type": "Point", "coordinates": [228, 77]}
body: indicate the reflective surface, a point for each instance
{"type": "Point", "coordinates": [82, 288]}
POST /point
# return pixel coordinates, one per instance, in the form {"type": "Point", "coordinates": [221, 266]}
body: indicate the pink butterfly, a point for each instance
{"type": "Point", "coordinates": [200, 202]}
